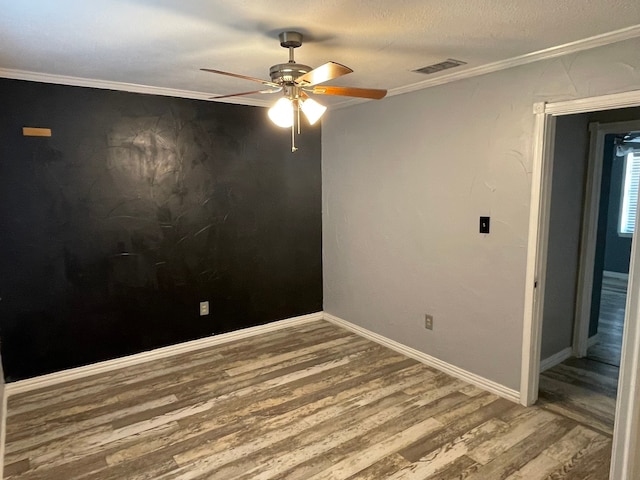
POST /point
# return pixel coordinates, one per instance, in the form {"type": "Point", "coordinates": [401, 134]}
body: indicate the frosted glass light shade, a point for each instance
{"type": "Point", "coordinates": [312, 110]}
{"type": "Point", "coordinates": [282, 113]}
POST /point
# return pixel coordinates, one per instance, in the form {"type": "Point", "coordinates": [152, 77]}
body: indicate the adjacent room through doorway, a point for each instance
{"type": "Point", "coordinates": [581, 382]}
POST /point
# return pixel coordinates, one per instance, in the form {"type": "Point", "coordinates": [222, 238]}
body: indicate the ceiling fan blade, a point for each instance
{"type": "Point", "coordinates": [323, 73]}
{"type": "Point", "coordinates": [244, 77]}
{"type": "Point", "coordinates": [373, 93]}
{"type": "Point", "coordinates": [245, 93]}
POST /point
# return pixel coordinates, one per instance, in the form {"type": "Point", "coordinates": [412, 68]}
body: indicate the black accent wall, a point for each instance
{"type": "Point", "coordinates": [135, 210]}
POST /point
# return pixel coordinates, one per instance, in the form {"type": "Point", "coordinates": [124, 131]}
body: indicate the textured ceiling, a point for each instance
{"type": "Point", "coordinates": [164, 43]}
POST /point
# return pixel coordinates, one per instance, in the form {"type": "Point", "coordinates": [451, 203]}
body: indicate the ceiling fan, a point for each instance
{"type": "Point", "coordinates": [627, 143]}
{"type": "Point", "coordinates": [297, 81]}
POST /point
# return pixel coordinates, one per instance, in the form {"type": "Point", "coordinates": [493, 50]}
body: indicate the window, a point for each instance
{"type": "Point", "coordinates": [629, 193]}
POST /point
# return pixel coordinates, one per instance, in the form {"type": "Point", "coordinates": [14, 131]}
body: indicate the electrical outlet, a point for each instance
{"type": "Point", "coordinates": [428, 321]}
{"type": "Point", "coordinates": [204, 308]}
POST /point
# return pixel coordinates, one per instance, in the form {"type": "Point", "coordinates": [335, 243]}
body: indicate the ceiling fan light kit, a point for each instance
{"type": "Point", "coordinates": [312, 110]}
{"type": "Point", "coordinates": [296, 81]}
{"type": "Point", "coordinates": [282, 113]}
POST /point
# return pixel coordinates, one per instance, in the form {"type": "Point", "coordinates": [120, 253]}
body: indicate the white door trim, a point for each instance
{"type": "Point", "coordinates": [590, 229]}
{"type": "Point", "coordinates": [543, 139]}
{"type": "Point", "coordinates": [588, 238]}
{"type": "Point", "coordinates": [625, 464]}
{"type": "Point", "coordinates": [627, 425]}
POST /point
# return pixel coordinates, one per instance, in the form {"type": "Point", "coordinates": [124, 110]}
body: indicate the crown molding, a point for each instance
{"type": "Point", "coordinates": [548, 53]}
{"type": "Point", "coordinates": [121, 86]}
{"type": "Point", "coordinates": [553, 52]}
{"type": "Point", "coordinates": [592, 104]}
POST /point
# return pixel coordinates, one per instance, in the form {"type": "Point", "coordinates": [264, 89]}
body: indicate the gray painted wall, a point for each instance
{"type": "Point", "coordinates": [567, 194]}
{"type": "Point", "coordinates": [404, 182]}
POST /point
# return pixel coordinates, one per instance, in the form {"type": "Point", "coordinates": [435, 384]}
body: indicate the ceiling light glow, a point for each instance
{"type": "Point", "coordinates": [312, 110]}
{"type": "Point", "coordinates": [282, 113]}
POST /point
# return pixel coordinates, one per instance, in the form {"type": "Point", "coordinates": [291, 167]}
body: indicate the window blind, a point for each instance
{"type": "Point", "coordinates": [630, 193]}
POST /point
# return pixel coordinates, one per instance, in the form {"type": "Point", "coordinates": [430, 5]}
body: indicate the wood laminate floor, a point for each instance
{"type": "Point", "coordinates": [585, 389]}
{"type": "Point", "coordinates": [308, 402]}
{"type": "Point", "coordinates": [613, 299]}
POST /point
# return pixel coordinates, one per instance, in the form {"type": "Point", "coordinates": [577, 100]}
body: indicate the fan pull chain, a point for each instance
{"type": "Point", "coordinates": [293, 127]}
{"type": "Point", "coordinates": [293, 137]}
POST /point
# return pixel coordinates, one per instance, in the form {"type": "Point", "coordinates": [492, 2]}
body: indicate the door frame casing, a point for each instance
{"type": "Point", "coordinates": [589, 232]}
{"type": "Point", "coordinates": [624, 466]}
{"type": "Point", "coordinates": [543, 143]}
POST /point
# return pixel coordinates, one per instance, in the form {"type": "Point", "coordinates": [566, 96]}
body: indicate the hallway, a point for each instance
{"type": "Point", "coordinates": [584, 389]}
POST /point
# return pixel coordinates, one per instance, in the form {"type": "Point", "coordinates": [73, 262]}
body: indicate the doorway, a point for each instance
{"type": "Point", "coordinates": [575, 383]}
{"type": "Point", "coordinates": [613, 246]}
{"type": "Point", "coordinates": [609, 215]}
{"type": "Point", "coordinates": [627, 422]}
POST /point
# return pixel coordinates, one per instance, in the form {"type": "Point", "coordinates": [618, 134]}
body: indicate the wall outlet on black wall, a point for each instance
{"type": "Point", "coordinates": [204, 308]}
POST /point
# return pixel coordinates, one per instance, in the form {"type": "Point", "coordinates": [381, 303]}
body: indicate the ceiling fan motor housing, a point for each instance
{"type": "Point", "coordinates": [286, 73]}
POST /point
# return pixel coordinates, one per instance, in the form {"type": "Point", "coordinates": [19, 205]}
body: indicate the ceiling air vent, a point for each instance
{"type": "Point", "coordinates": [438, 67]}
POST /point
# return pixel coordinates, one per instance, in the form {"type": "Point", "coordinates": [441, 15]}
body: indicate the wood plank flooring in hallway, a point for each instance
{"type": "Point", "coordinates": [613, 299]}
{"type": "Point", "coordinates": [585, 389]}
{"type": "Point", "coordinates": [307, 402]}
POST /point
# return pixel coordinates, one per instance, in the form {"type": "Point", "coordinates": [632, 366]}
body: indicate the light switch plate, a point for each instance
{"type": "Point", "coordinates": [485, 223]}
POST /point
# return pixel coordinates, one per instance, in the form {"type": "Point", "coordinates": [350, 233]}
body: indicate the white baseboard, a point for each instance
{"type": "Point", "coordinates": [30, 384]}
{"type": "Point", "coordinates": [3, 430]}
{"type": "Point", "coordinates": [445, 367]}
{"type": "Point", "coordinates": [556, 359]}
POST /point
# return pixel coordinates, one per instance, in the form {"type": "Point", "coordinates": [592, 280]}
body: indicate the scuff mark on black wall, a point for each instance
{"type": "Point", "coordinates": [135, 210]}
